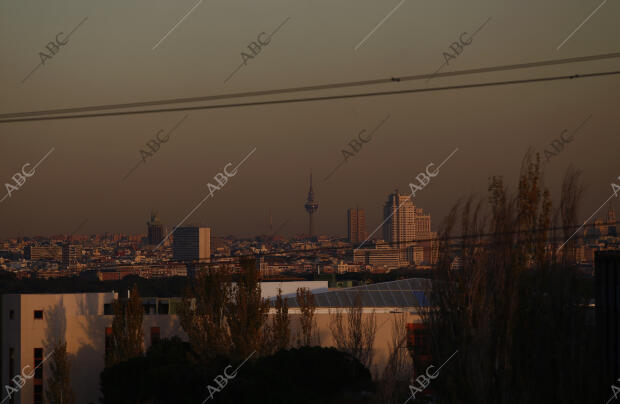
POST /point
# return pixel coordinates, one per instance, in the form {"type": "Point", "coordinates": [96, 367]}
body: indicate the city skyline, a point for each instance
{"type": "Point", "coordinates": [355, 219]}
{"type": "Point", "coordinates": [602, 217]}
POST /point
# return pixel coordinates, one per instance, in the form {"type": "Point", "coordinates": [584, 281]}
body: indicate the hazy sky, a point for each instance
{"type": "Point", "coordinates": [110, 59]}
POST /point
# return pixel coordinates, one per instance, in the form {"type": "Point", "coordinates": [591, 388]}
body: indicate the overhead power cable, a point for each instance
{"type": "Point", "coordinates": [310, 99]}
{"type": "Point", "coordinates": [330, 86]}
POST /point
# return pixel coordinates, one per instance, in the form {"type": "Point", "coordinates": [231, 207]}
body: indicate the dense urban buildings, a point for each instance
{"type": "Point", "coordinates": [410, 243]}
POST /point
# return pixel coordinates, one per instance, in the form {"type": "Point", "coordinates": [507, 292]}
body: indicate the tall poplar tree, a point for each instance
{"type": "Point", "coordinates": [127, 337]}
{"type": "Point", "coordinates": [280, 323]}
{"type": "Point", "coordinates": [59, 389]}
{"type": "Point", "coordinates": [307, 307]}
{"type": "Point", "coordinates": [203, 313]}
{"type": "Point", "coordinates": [516, 309]}
{"type": "Point", "coordinates": [247, 311]}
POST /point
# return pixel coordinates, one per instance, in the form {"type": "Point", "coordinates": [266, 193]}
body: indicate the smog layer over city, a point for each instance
{"type": "Point", "coordinates": [309, 202]}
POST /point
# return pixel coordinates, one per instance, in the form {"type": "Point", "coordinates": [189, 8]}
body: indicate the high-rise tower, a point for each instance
{"type": "Point", "coordinates": [400, 224]}
{"type": "Point", "coordinates": [69, 256]}
{"type": "Point", "coordinates": [611, 222]}
{"type": "Point", "coordinates": [192, 243]}
{"type": "Point", "coordinates": [611, 215]}
{"type": "Point", "coordinates": [356, 225]}
{"type": "Point", "coordinates": [155, 229]}
{"type": "Point", "coordinates": [311, 207]}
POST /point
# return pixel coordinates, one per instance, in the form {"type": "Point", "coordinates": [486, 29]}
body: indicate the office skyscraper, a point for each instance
{"type": "Point", "coordinates": [191, 243]}
{"type": "Point", "coordinates": [69, 256]}
{"type": "Point", "coordinates": [422, 224]}
{"type": "Point", "coordinates": [399, 226]}
{"type": "Point", "coordinates": [404, 224]}
{"type": "Point", "coordinates": [427, 246]}
{"type": "Point", "coordinates": [611, 222]}
{"type": "Point", "coordinates": [356, 225]}
{"type": "Point", "coordinates": [155, 229]}
{"type": "Point", "coordinates": [399, 216]}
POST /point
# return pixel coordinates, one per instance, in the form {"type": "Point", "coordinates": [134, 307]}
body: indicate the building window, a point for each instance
{"type": "Point", "coordinates": [38, 358]}
{"type": "Point", "coordinates": [11, 314]}
{"type": "Point", "coordinates": [410, 337]}
{"type": "Point", "coordinates": [38, 394]}
{"type": "Point", "coordinates": [155, 335]}
{"type": "Point", "coordinates": [162, 307]}
{"type": "Point", "coordinates": [149, 308]}
{"type": "Point", "coordinates": [108, 342]}
{"type": "Point", "coordinates": [420, 340]}
{"type": "Point", "coordinates": [12, 370]}
{"type": "Point", "coordinates": [38, 314]}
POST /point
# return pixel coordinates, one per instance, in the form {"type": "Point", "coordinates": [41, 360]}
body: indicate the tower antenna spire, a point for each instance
{"type": "Point", "coordinates": [311, 207]}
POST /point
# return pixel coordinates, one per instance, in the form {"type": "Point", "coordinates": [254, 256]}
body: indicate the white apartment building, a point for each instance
{"type": "Point", "coordinates": [29, 324]}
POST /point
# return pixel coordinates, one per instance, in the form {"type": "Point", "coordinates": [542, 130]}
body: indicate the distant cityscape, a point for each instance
{"type": "Point", "coordinates": [406, 240]}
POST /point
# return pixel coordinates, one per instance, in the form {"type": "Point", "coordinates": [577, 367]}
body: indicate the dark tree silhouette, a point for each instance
{"type": "Point", "coordinates": [515, 310]}
{"type": "Point", "coordinates": [127, 336]}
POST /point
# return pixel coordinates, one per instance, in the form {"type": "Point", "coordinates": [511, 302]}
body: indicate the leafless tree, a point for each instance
{"type": "Point", "coordinates": [277, 332]}
{"type": "Point", "coordinates": [516, 316]}
{"type": "Point", "coordinates": [127, 337]}
{"type": "Point", "coordinates": [572, 192]}
{"type": "Point", "coordinates": [202, 313]}
{"type": "Point", "coordinates": [58, 386]}
{"type": "Point", "coordinates": [394, 381]}
{"type": "Point", "coordinates": [307, 307]}
{"type": "Point", "coordinates": [358, 336]}
{"type": "Point", "coordinates": [247, 311]}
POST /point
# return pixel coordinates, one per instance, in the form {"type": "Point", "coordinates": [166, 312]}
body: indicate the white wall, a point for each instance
{"type": "Point", "coordinates": [79, 319]}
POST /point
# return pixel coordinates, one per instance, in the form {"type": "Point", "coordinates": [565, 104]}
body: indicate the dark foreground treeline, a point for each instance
{"type": "Point", "coordinates": [170, 372]}
{"type": "Point", "coordinates": [518, 311]}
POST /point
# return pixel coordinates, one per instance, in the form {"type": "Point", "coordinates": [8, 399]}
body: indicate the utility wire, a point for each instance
{"type": "Point", "coordinates": [311, 88]}
{"type": "Point", "coordinates": [309, 99]}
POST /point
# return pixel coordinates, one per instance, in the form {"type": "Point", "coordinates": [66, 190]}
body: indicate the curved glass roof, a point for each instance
{"type": "Point", "coordinates": [401, 293]}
